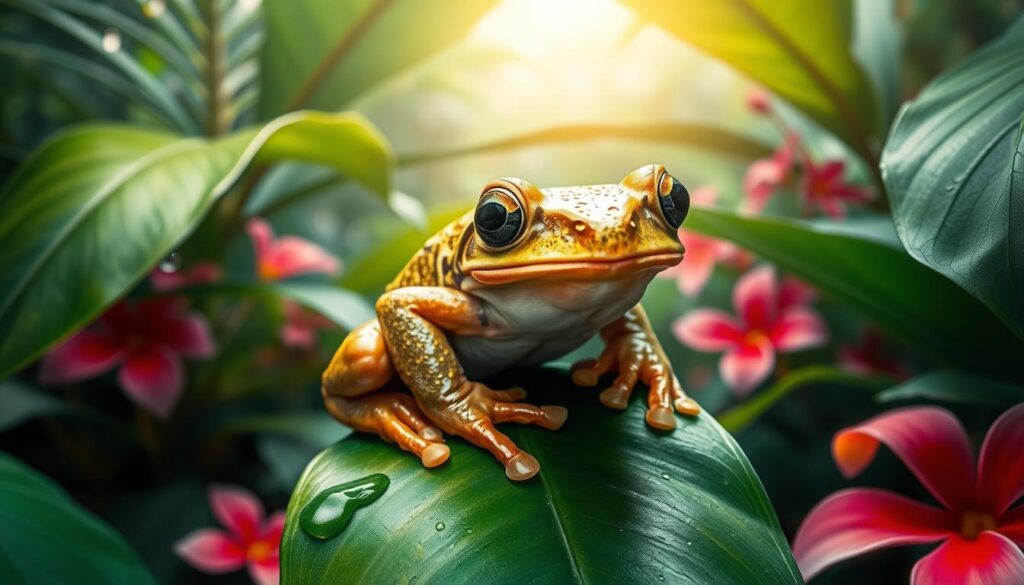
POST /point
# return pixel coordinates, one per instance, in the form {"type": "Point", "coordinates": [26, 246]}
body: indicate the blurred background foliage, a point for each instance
{"type": "Point", "coordinates": [447, 96]}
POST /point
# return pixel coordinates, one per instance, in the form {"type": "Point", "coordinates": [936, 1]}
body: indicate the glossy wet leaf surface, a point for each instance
{"type": "Point", "coordinates": [615, 501]}
{"type": "Point", "coordinates": [63, 216]}
{"type": "Point", "coordinates": [954, 169]}
{"type": "Point", "coordinates": [955, 386]}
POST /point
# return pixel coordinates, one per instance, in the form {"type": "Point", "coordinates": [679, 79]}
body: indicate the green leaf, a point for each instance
{"type": "Point", "coordinates": [96, 207]}
{"type": "Point", "coordinates": [698, 135]}
{"type": "Point", "coordinates": [322, 54]}
{"type": "Point", "coordinates": [20, 403]}
{"type": "Point", "coordinates": [741, 416]}
{"type": "Point", "coordinates": [954, 386]}
{"type": "Point", "coordinates": [614, 502]}
{"type": "Point", "coordinates": [800, 52]}
{"type": "Point", "coordinates": [911, 301]}
{"type": "Point", "coordinates": [48, 538]}
{"type": "Point", "coordinates": [344, 307]}
{"type": "Point", "coordinates": [954, 168]}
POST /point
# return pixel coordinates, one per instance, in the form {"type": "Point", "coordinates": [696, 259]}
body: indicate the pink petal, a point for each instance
{"type": "Point", "coordinates": [830, 171]}
{"type": "Point", "coordinates": [831, 206]}
{"type": "Point", "coordinates": [747, 365]}
{"type": "Point", "coordinates": [708, 330]}
{"type": "Point", "coordinates": [1011, 525]}
{"type": "Point", "coordinates": [704, 195]}
{"type": "Point", "coordinates": [190, 336]}
{"type": "Point", "coordinates": [794, 291]}
{"type": "Point", "coordinates": [238, 510]}
{"type": "Point", "coordinates": [759, 183]}
{"type": "Point", "coordinates": [292, 256]}
{"type": "Point", "coordinates": [695, 270]}
{"type": "Point", "coordinates": [85, 355]}
{"type": "Point", "coordinates": [856, 521]}
{"type": "Point", "coordinates": [273, 529]}
{"type": "Point", "coordinates": [929, 441]}
{"type": "Point", "coordinates": [991, 559]}
{"type": "Point", "coordinates": [755, 297]}
{"type": "Point", "coordinates": [1001, 466]}
{"type": "Point", "coordinates": [262, 236]}
{"type": "Point", "coordinates": [798, 328]}
{"type": "Point", "coordinates": [853, 193]}
{"type": "Point", "coordinates": [211, 551]}
{"type": "Point", "coordinates": [266, 572]}
{"type": "Point", "coordinates": [152, 377]}
{"type": "Point", "coordinates": [759, 101]}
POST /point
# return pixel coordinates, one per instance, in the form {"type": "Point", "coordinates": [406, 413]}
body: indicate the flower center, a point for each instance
{"type": "Point", "coordinates": [974, 523]}
{"type": "Point", "coordinates": [756, 337]}
{"type": "Point", "coordinates": [259, 551]}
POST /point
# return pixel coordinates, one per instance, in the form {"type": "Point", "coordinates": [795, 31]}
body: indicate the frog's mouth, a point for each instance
{"type": "Point", "coordinates": [596, 269]}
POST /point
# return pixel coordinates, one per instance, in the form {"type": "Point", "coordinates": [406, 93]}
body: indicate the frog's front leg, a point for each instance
{"type": "Point", "coordinates": [415, 321]}
{"type": "Point", "coordinates": [632, 350]}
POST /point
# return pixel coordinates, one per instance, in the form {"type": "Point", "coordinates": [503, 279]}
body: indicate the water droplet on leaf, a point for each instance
{"type": "Point", "coordinates": [664, 476]}
{"type": "Point", "coordinates": [329, 512]}
{"type": "Point", "coordinates": [154, 8]}
{"type": "Point", "coordinates": [439, 526]}
{"type": "Point", "coordinates": [172, 263]}
{"type": "Point", "coordinates": [111, 40]}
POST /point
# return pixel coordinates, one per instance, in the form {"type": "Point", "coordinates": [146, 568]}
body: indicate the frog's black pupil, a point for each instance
{"type": "Point", "coordinates": [676, 204]}
{"type": "Point", "coordinates": [491, 216]}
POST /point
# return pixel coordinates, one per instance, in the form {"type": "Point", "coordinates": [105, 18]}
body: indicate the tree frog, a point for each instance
{"type": "Point", "coordinates": [527, 276]}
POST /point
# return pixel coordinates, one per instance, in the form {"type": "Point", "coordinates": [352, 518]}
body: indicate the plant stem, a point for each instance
{"type": "Point", "coordinates": [218, 106]}
{"type": "Point", "coordinates": [337, 54]}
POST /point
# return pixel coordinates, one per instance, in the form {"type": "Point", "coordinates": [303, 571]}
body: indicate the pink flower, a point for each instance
{"type": "Point", "coordinates": [980, 533]}
{"type": "Point", "coordinates": [823, 187]}
{"type": "Point", "coordinates": [300, 326]}
{"type": "Point", "coordinates": [702, 252]}
{"type": "Point", "coordinates": [147, 339]}
{"type": "Point", "coordinates": [202, 273]}
{"type": "Point", "coordinates": [770, 319]}
{"type": "Point", "coordinates": [759, 101]}
{"type": "Point", "coordinates": [869, 358]}
{"type": "Point", "coordinates": [280, 258]}
{"type": "Point", "coordinates": [248, 542]}
{"type": "Point", "coordinates": [766, 175]}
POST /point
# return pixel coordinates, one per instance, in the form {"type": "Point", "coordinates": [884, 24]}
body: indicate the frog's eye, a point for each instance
{"type": "Point", "coordinates": [674, 200]}
{"type": "Point", "coordinates": [499, 218]}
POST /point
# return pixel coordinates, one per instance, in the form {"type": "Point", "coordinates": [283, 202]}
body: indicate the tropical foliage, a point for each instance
{"type": "Point", "coordinates": [200, 197]}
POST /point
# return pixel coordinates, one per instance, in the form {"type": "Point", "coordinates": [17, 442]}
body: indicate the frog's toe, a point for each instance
{"type": "Point", "coordinates": [661, 418]}
{"type": "Point", "coordinates": [549, 417]}
{"type": "Point", "coordinates": [587, 372]}
{"type": "Point", "coordinates": [435, 454]}
{"type": "Point", "coordinates": [521, 466]}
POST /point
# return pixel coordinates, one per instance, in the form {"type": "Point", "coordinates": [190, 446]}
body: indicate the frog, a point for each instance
{"type": "Point", "coordinates": [527, 276]}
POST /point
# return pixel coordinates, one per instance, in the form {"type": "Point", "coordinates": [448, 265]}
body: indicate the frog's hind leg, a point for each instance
{"type": "Point", "coordinates": [355, 393]}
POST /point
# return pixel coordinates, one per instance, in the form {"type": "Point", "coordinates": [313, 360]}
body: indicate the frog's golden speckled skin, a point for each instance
{"type": "Point", "coordinates": [462, 309]}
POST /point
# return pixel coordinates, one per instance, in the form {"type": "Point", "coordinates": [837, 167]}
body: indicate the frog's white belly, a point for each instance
{"type": "Point", "coordinates": [533, 322]}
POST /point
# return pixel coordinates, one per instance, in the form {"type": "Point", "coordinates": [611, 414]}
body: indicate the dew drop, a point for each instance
{"type": "Point", "coordinates": [111, 40]}
{"type": "Point", "coordinates": [689, 543]}
{"type": "Point", "coordinates": [439, 526]}
{"type": "Point", "coordinates": [171, 263]}
{"type": "Point", "coordinates": [329, 512]}
{"type": "Point", "coordinates": [154, 8]}
{"type": "Point", "coordinates": [664, 476]}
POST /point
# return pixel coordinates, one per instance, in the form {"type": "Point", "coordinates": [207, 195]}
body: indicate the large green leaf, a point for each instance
{"type": "Point", "coordinates": [954, 386]}
{"type": "Point", "coordinates": [322, 54]}
{"type": "Point", "coordinates": [614, 502]}
{"type": "Point", "coordinates": [911, 301]}
{"type": "Point", "coordinates": [798, 49]}
{"type": "Point", "coordinates": [98, 206]}
{"type": "Point", "coordinates": [954, 169]}
{"type": "Point", "coordinates": [48, 539]}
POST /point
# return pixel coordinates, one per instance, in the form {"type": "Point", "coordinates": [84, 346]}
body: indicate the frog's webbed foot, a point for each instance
{"type": "Point", "coordinates": [476, 411]}
{"type": "Point", "coordinates": [397, 418]}
{"type": "Point", "coordinates": [634, 358]}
